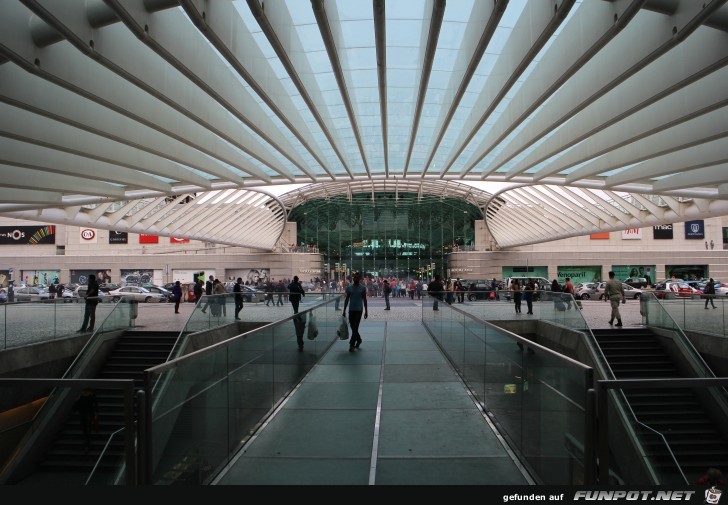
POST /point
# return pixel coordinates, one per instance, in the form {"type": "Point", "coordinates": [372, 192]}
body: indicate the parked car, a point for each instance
{"type": "Point", "coordinates": [673, 289]}
{"type": "Point", "coordinates": [477, 290]}
{"type": "Point", "coordinates": [587, 290]}
{"type": "Point", "coordinates": [721, 288]}
{"type": "Point", "coordinates": [250, 294]}
{"type": "Point", "coordinates": [169, 297]}
{"type": "Point", "coordinates": [308, 286]}
{"type": "Point", "coordinates": [31, 294]}
{"type": "Point", "coordinates": [542, 284]}
{"type": "Point", "coordinates": [79, 294]}
{"type": "Point", "coordinates": [629, 291]}
{"type": "Point", "coordinates": [637, 282]}
{"type": "Point", "coordinates": [137, 293]}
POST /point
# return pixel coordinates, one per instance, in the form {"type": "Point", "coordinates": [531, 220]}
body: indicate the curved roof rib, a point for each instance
{"type": "Point", "coordinates": [114, 101]}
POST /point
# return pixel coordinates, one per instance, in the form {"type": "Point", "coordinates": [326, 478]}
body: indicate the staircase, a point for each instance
{"type": "Point", "coordinates": [133, 353]}
{"type": "Point", "coordinates": [678, 414]}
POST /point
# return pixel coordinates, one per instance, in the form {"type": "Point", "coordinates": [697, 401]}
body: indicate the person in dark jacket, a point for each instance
{"type": "Point", "coordinates": [92, 299]}
{"type": "Point", "coordinates": [238, 290]}
{"type": "Point", "coordinates": [208, 292]}
{"type": "Point", "coordinates": [295, 292]}
{"type": "Point", "coordinates": [710, 293]}
{"type": "Point", "coordinates": [177, 292]}
{"type": "Point", "coordinates": [435, 289]}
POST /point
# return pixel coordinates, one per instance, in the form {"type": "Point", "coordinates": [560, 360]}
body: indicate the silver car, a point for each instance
{"type": "Point", "coordinates": [587, 290]}
{"type": "Point", "coordinates": [629, 291]}
{"type": "Point", "coordinates": [137, 293]}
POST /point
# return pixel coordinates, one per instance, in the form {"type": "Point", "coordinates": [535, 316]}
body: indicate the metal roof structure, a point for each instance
{"type": "Point", "coordinates": [602, 115]}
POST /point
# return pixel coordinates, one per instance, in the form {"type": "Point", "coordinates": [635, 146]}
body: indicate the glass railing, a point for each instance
{"type": "Point", "coordinates": [214, 311]}
{"type": "Point", "coordinates": [694, 315]}
{"type": "Point", "coordinates": [24, 323]}
{"type": "Point", "coordinates": [207, 403]}
{"type": "Point", "coordinates": [536, 396]}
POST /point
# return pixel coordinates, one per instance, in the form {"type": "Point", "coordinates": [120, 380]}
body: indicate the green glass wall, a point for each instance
{"type": "Point", "coordinates": [386, 234]}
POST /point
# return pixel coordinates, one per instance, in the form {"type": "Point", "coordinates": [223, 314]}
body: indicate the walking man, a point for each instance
{"type": "Point", "coordinates": [435, 289]}
{"type": "Point", "coordinates": [710, 293]}
{"type": "Point", "coordinates": [177, 292]}
{"type": "Point", "coordinates": [238, 290]}
{"type": "Point", "coordinates": [387, 290]}
{"type": "Point", "coordinates": [295, 293]}
{"type": "Point", "coordinates": [208, 292]}
{"type": "Point", "coordinates": [356, 300]}
{"type": "Point", "coordinates": [615, 292]}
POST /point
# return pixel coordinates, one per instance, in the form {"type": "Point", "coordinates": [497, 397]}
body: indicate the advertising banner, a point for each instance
{"type": "Point", "coordinates": [686, 272]}
{"type": "Point", "coordinates": [579, 274]}
{"type": "Point", "coordinates": [81, 276]}
{"type": "Point", "coordinates": [632, 234]}
{"type": "Point", "coordinates": [36, 277]}
{"type": "Point", "coordinates": [27, 235]}
{"type": "Point", "coordinates": [148, 239]}
{"type": "Point", "coordinates": [185, 276]}
{"type": "Point", "coordinates": [251, 276]}
{"type": "Point", "coordinates": [175, 240]}
{"type": "Point", "coordinates": [662, 232]}
{"type": "Point", "coordinates": [118, 237]}
{"type": "Point", "coordinates": [623, 272]}
{"type": "Point", "coordinates": [136, 276]}
{"type": "Point", "coordinates": [695, 229]}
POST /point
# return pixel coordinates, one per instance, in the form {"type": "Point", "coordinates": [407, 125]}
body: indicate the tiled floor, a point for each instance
{"type": "Point", "coordinates": [393, 412]}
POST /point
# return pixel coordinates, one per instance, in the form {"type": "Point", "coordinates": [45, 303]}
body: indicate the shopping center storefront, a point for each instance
{"type": "Point", "coordinates": [386, 234]}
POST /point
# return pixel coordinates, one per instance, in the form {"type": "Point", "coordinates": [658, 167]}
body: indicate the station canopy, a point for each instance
{"type": "Point", "coordinates": [169, 116]}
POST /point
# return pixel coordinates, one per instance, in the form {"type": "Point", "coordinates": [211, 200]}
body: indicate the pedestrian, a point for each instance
{"type": "Point", "coordinates": [494, 289]}
{"type": "Point", "coordinates": [208, 292]}
{"type": "Point", "coordinates": [269, 290]}
{"type": "Point", "coordinates": [238, 290]}
{"type": "Point", "coordinates": [219, 303]}
{"type": "Point", "coordinates": [296, 291]}
{"type": "Point", "coordinates": [450, 292]}
{"type": "Point", "coordinates": [280, 289]}
{"type": "Point", "coordinates": [615, 292]}
{"type": "Point", "coordinates": [516, 288]}
{"type": "Point", "coordinates": [569, 290]}
{"type": "Point", "coordinates": [387, 290]}
{"type": "Point", "coordinates": [710, 293]}
{"type": "Point", "coordinates": [528, 294]}
{"type": "Point", "coordinates": [177, 293]}
{"type": "Point", "coordinates": [92, 299]}
{"type": "Point", "coordinates": [356, 300]}
{"type": "Point", "coordinates": [88, 409]}
{"type": "Point", "coordinates": [435, 289]}
{"type": "Point", "coordinates": [197, 290]}
{"type": "Point", "coordinates": [52, 291]}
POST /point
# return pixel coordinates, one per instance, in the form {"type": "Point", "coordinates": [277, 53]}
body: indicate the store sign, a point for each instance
{"type": "Point", "coordinates": [118, 237]}
{"type": "Point", "coordinates": [599, 236]}
{"type": "Point", "coordinates": [695, 229]}
{"type": "Point", "coordinates": [632, 234]}
{"type": "Point", "coordinates": [88, 236]}
{"type": "Point", "coordinates": [662, 232]}
{"type": "Point", "coordinates": [175, 240]}
{"type": "Point", "coordinates": [148, 239]}
{"type": "Point", "coordinates": [28, 235]}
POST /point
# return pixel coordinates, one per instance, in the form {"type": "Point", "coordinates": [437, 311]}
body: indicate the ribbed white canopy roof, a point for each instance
{"type": "Point", "coordinates": [111, 105]}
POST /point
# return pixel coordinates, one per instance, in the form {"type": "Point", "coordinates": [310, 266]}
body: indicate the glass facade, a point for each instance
{"type": "Point", "coordinates": [386, 234]}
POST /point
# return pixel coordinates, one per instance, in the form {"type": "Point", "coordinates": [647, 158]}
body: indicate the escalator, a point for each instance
{"type": "Point", "coordinates": [67, 461]}
{"type": "Point", "coordinates": [679, 414]}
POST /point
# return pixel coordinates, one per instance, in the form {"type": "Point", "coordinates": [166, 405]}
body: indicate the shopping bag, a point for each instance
{"type": "Point", "coordinates": [343, 330]}
{"type": "Point", "coordinates": [312, 327]}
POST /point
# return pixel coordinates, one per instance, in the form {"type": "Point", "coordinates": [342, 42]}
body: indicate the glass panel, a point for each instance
{"type": "Point", "coordinates": [207, 404]}
{"type": "Point", "coordinates": [536, 396]}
